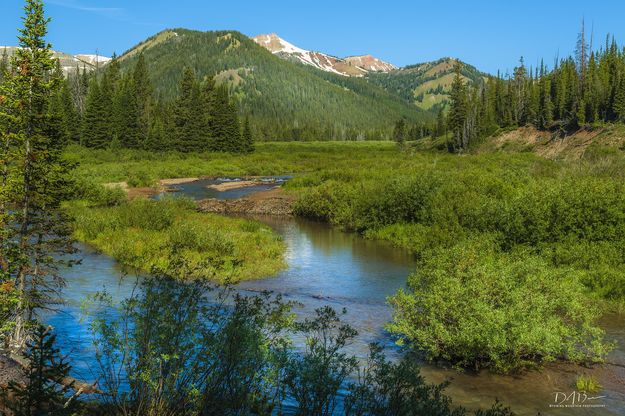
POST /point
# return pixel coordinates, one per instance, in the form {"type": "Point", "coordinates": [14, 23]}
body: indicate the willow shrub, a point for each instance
{"type": "Point", "coordinates": [479, 308]}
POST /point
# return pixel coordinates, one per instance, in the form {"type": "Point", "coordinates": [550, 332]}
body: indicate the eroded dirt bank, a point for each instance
{"type": "Point", "coordinates": [270, 202]}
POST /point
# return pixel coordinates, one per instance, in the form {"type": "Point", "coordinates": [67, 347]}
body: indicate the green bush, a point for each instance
{"type": "Point", "coordinates": [98, 195]}
{"type": "Point", "coordinates": [476, 307]}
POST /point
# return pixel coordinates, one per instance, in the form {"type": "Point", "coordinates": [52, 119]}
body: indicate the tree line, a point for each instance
{"type": "Point", "coordinates": [116, 109]}
{"type": "Point", "coordinates": [581, 91]}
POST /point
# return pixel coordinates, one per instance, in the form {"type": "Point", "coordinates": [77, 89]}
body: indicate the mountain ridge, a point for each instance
{"type": "Point", "coordinates": [69, 63]}
{"type": "Point", "coordinates": [284, 98]}
{"type": "Point", "coordinates": [357, 65]}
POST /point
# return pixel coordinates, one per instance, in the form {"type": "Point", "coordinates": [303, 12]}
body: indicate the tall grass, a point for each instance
{"type": "Point", "coordinates": [147, 234]}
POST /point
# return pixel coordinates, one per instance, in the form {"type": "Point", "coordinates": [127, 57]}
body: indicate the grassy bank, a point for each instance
{"type": "Point", "coordinates": [141, 168]}
{"type": "Point", "coordinates": [146, 234]}
{"type": "Point", "coordinates": [527, 249]}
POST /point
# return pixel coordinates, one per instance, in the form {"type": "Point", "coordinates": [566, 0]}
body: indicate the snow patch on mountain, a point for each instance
{"type": "Point", "coordinates": [93, 59]}
{"type": "Point", "coordinates": [351, 66]}
{"type": "Point", "coordinates": [69, 63]}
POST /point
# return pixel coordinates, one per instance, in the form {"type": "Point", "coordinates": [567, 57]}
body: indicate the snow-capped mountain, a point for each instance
{"type": "Point", "coordinates": [93, 59]}
{"type": "Point", "coordinates": [69, 63]}
{"type": "Point", "coordinates": [356, 66]}
{"type": "Point", "coordinates": [370, 63]}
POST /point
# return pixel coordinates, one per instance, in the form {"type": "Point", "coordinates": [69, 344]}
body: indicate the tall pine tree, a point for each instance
{"type": "Point", "coordinates": [36, 177]}
{"type": "Point", "coordinates": [188, 119]}
{"type": "Point", "coordinates": [458, 111]}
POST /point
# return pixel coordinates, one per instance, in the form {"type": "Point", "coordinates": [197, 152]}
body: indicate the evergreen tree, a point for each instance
{"type": "Point", "coordinates": [143, 96]}
{"type": "Point", "coordinates": [234, 140]}
{"type": "Point", "coordinates": [580, 115]}
{"type": "Point", "coordinates": [457, 111]}
{"type": "Point", "coordinates": [4, 64]}
{"type": "Point", "coordinates": [545, 107]}
{"type": "Point", "coordinates": [226, 130]}
{"type": "Point", "coordinates": [96, 131]}
{"type": "Point", "coordinates": [44, 392]}
{"type": "Point", "coordinates": [188, 120]}
{"type": "Point", "coordinates": [399, 133]}
{"type": "Point", "coordinates": [619, 101]}
{"type": "Point", "coordinates": [440, 123]}
{"type": "Point", "coordinates": [56, 112]}
{"type": "Point", "coordinates": [209, 104]}
{"type": "Point", "coordinates": [35, 176]}
{"type": "Point", "coordinates": [127, 123]}
{"type": "Point", "coordinates": [520, 94]}
{"type": "Point", "coordinates": [248, 139]}
{"type": "Point", "coordinates": [161, 126]}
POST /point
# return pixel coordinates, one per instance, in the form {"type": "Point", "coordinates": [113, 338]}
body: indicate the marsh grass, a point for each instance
{"type": "Point", "coordinates": [588, 384]}
{"type": "Point", "coordinates": [148, 235]}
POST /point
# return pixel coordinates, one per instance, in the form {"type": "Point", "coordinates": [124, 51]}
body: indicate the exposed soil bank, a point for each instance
{"type": "Point", "coordinates": [555, 145]}
{"type": "Point", "coordinates": [270, 202]}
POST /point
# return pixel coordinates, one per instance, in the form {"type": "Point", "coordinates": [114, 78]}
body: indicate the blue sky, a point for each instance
{"type": "Point", "coordinates": [491, 35]}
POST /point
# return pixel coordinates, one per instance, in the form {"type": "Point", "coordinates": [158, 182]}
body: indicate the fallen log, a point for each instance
{"type": "Point", "coordinates": [80, 387]}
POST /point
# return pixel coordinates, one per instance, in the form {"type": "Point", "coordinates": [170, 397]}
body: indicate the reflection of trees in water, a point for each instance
{"type": "Point", "coordinates": [329, 240]}
{"type": "Point", "coordinates": [175, 348]}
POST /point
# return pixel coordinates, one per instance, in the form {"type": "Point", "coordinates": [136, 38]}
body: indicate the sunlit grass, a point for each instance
{"type": "Point", "coordinates": [146, 234]}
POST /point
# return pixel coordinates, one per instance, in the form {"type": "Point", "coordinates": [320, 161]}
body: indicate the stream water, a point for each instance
{"type": "Point", "coordinates": [330, 267]}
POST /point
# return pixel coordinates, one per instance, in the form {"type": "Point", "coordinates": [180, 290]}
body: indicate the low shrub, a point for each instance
{"type": "Point", "coordinates": [479, 308]}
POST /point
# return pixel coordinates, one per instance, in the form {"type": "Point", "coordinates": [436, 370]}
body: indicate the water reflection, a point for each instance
{"type": "Point", "coordinates": [328, 266]}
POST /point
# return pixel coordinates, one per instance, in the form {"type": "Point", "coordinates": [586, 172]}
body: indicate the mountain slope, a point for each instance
{"type": "Point", "coordinates": [426, 85]}
{"type": "Point", "coordinates": [277, 93]}
{"type": "Point", "coordinates": [356, 66]}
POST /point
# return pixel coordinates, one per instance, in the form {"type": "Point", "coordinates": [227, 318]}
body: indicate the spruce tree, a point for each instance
{"type": "Point", "coordinates": [97, 127]}
{"type": "Point", "coordinates": [457, 111]}
{"type": "Point", "coordinates": [520, 94]}
{"type": "Point", "coordinates": [209, 105]}
{"type": "Point", "coordinates": [248, 138]}
{"type": "Point", "coordinates": [35, 177]}
{"type": "Point", "coordinates": [399, 132]}
{"type": "Point", "coordinates": [234, 141]}
{"type": "Point", "coordinates": [619, 100]}
{"type": "Point", "coordinates": [224, 118]}
{"type": "Point", "coordinates": [143, 95]}
{"type": "Point", "coordinates": [127, 125]}
{"type": "Point", "coordinates": [4, 64]}
{"type": "Point", "coordinates": [545, 106]}
{"type": "Point", "coordinates": [188, 120]}
{"type": "Point", "coordinates": [44, 392]}
{"type": "Point", "coordinates": [440, 122]}
{"type": "Point", "coordinates": [56, 112]}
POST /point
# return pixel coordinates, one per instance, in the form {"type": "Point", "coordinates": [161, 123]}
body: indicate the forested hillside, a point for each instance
{"type": "Point", "coordinates": [426, 85]}
{"type": "Point", "coordinates": [284, 100]}
{"type": "Point", "coordinates": [582, 91]}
